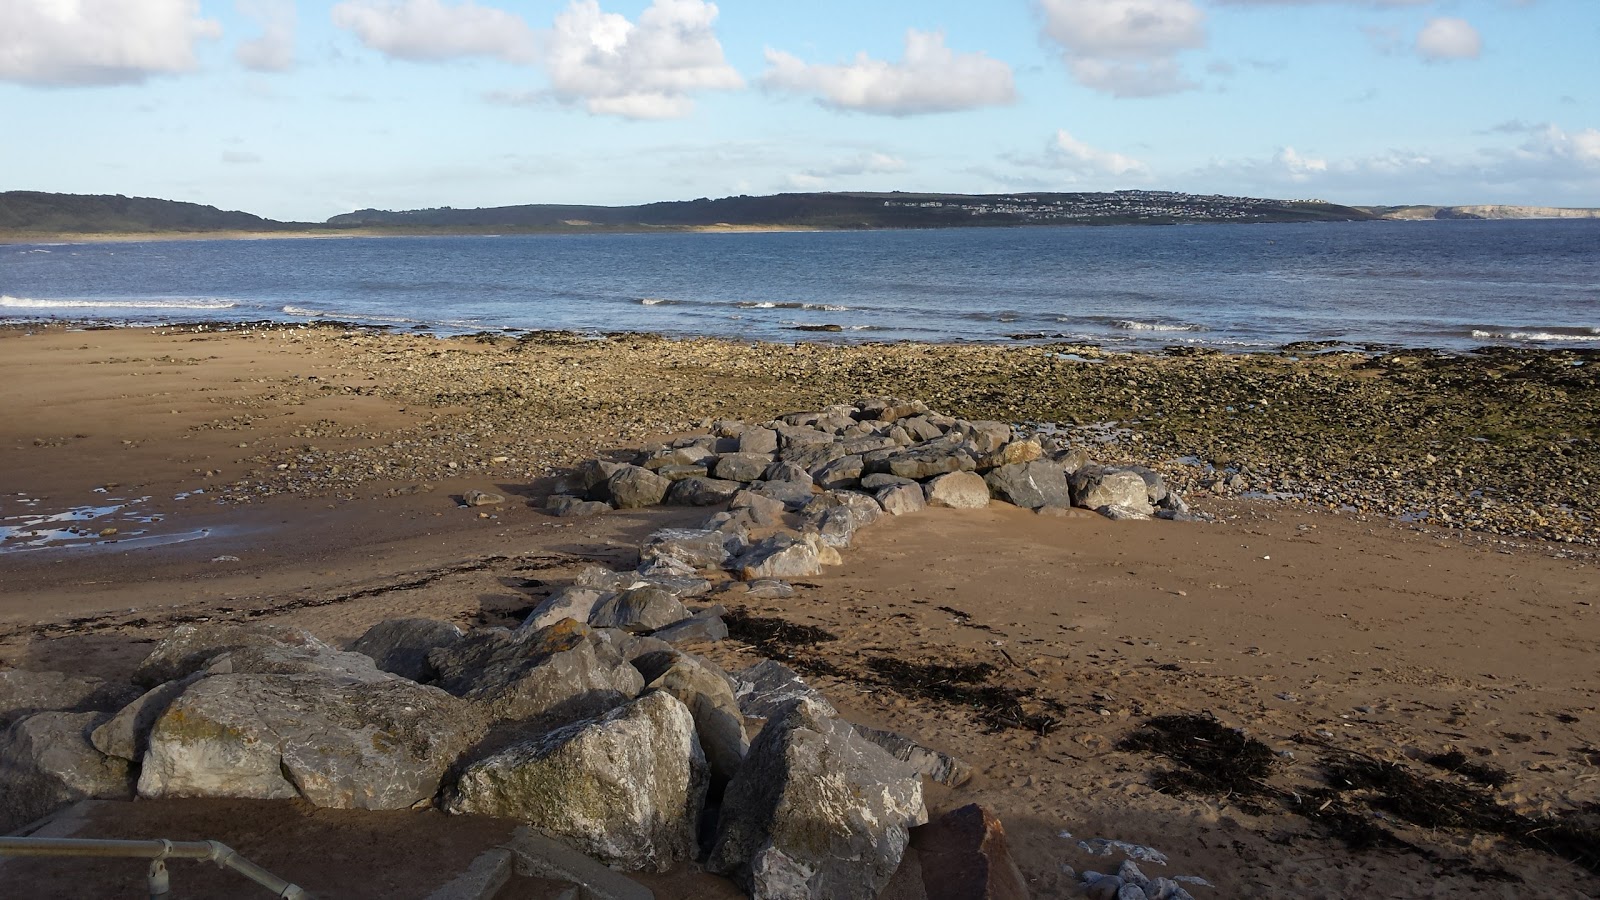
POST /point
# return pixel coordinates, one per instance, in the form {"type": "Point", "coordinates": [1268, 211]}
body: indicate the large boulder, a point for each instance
{"type": "Point", "coordinates": [638, 609]}
{"type": "Point", "coordinates": [296, 661]}
{"type": "Point", "coordinates": [702, 492]}
{"type": "Point", "coordinates": [626, 788]}
{"type": "Point", "coordinates": [899, 499]}
{"type": "Point", "coordinates": [844, 472]}
{"type": "Point", "coordinates": [958, 490]}
{"type": "Point", "coordinates": [792, 494]}
{"type": "Point", "coordinates": [704, 690]}
{"type": "Point", "coordinates": [816, 811]}
{"type": "Point", "coordinates": [47, 762]}
{"type": "Point", "coordinates": [756, 439]}
{"type": "Point", "coordinates": [769, 687]}
{"type": "Point", "coordinates": [742, 466]}
{"type": "Point", "coordinates": [571, 602]}
{"type": "Point", "coordinates": [23, 693]}
{"type": "Point", "coordinates": [1030, 485]}
{"type": "Point", "coordinates": [700, 548]}
{"type": "Point", "coordinates": [780, 556]}
{"type": "Point", "coordinates": [126, 735]}
{"type": "Point", "coordinates": [924, 460]}
{"type": "Point", "coordinates": [553, 676]}
{"type": "Point", "coordinates": [1093, 488]}
{"type": "Point", "coordinates": [335, 743]}
{"type": "Point", "coordinates": [631, 487]}
{"type": "Point", "coordinates": [964, 856]}
{"type": "Point", "coordinates": [191, 648]}
{"type": "Point", "coordinates": [936, 765]}
{"type": "Point", "coordinates": [401, 646]}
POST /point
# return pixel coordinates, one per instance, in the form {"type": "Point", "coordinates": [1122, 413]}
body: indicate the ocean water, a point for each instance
{"type": "Point", "coordinates": [1449, 285]}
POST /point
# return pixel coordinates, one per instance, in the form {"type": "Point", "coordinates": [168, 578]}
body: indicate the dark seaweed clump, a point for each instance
{"type": "Point", "coordinates": [998, 706]}
{"type": "Point", "coordinates": [1479, 773]}
{"type": "Point", "coordinates": [783, 640]}
{"type": "Point", "coordinates": [1212, 759]}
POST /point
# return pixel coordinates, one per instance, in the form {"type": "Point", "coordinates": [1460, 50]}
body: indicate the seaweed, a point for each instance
{"type": "Point", "coordinates": [1481, 773]}
{"type": "Point", "coordinates": [998, 707]}
{"type": "Point", "coordinates": [1212, 759]}
{"type": "Point", "coordinates": [769, 633]}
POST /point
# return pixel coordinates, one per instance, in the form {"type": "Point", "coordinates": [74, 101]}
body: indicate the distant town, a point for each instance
{"type": "Point", "coordinates": [1119, 205]}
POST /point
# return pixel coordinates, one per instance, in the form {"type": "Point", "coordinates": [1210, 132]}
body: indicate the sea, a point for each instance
{"type": "Point", "coordinates": [1448, 285]}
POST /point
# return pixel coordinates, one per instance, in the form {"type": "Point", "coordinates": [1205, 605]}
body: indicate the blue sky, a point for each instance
{"type": "Point", "coordinates": [301, 110]}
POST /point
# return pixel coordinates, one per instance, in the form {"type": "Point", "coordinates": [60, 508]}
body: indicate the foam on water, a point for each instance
{"type": "Point", "coordinates": [9, 302]}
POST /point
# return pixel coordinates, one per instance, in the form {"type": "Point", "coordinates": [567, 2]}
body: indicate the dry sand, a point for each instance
{"type": "Point", "coordinates": [1314, 632]}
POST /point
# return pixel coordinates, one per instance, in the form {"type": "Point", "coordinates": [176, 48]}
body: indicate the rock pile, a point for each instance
{"type": "Point", "coordinates": [844, 465]}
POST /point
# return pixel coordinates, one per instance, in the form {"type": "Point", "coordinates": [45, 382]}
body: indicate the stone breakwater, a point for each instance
{"type": "Point", "coordinates": [591, 721]}
{"type": "Point", "coordinates": [1503, 442]}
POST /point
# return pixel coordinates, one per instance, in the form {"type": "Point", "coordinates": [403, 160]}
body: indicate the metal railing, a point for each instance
{"type": "Point", "coordinates": [158, 852]}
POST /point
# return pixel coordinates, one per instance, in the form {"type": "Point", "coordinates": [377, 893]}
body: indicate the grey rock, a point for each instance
{"type": "Point", "coordinates": [788, 473]}
{"type": "Point", "coordinates": [769, 589]}
{"type": "Point", "coordinates": [816, 811]}
{"type": "Point", "coordinates": [880, 480]}
{"type": "Point", "coordinates": [899, 499]}
{"type": "Point", "coordinates": [1093, 487]}
{"type": "Point", "coordinates": [679, 473]}
{"type": "Point", "coordinates": [844, 472]}
{"type": "Point", "coordinates": [568, 507]}
{"type": "Point", "coordinates": [540, 856]}
{"type": "Point", "coordinates": [764, 511]}
{"type": "Point", "coordinates": [793, 437]}
{"type": "Point", "coordinates": [47, 762]}
{"type": "Point", "coordinates": [631, 487]}
{"type": "Point", "coordinates": [958, 490]}
{"type": "Point", "coordinates": [768, 686]}
{"type": "Point", "coordinates": [482, 498]}
{"type": "Point", "coordinates": [756, 439]}
{"type": "Point", "coordinates": [921, 428]}
{"type": "Point", "coordinates": [742, 466]}
{"type": "Point", "coordinates": [986, 437]}
{"type": "Point", "coordinates": [401, 646]}
{"type": "Point", "coordinates": [626, 788]}
{"type": "Point", "coordinates": [1122, 513]}
{"type": "Point", "coordinates": [938, 766]}
{"type": "Point", "coordinates": [23, 693]}
{"type": "Point", "coordinates": [925, 460]}
{"type": "Point", "coordinates": [703, 627]}
{"type": "Point", "coordinates": [1155, 485]}
{"type": "Point", "coordinates": [779, 556]}
{"type": "Point", "coordinates": [335, 743]}
{"type": "Point", "coordinates": [702, 492]}
{"type": "Point", "coordinates": [571, 602]}
{"type": "Point", "coordinates": [1131, 892]}
{"type": "Point", "coordinates": [603, 579]}
{"type": "Point", "coordinates": [1101, 887]}
{"type": "Point", "coordinates": [737, 522]}
{"type": "Point", "coordinates": [1030, 485]}
{"type": "Point", "coordinates": [554, 676]}
{"type": "Point", "coordinates": [591, 475]}
{"type": "Point", "coordinates": [1072, 460]}
{"type": "Point", "coordinates": [699, 548]}
{"type": "Point", "coordinates": [690, 455]}
{"type": "Point", "coordinates": [814, 457]}
{"type": "Point", "coordinates": [837, 526]}
{"type": "Point", "coordinates": [297, 661]}
{"type": "Point", "coordinates": [191, 648]}
{"type": "Point", "coordinates": [704, 691]}
{"type": "Point", "coordinates": [638, 609]}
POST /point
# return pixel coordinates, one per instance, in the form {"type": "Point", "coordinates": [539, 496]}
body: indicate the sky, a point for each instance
{"type": "Point", "coordinates": [303, 109]}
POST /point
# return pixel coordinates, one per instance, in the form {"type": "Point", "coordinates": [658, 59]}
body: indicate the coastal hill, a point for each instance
{"type": "Point", "coordinates": [874, 210]}
{"type": "Point", "coordinates": [1413, 213]}
{"type": "Point", "coordinates": [38, 213]}
{"type": "Point", "coordinates": [115, 214]}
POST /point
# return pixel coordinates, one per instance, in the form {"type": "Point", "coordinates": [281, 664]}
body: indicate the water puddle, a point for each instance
{"type": "Point", "coordinates": [118, 523]}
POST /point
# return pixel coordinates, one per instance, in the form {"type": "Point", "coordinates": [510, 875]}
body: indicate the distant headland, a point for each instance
{"type": "Point", "coordinates": [33, 215]}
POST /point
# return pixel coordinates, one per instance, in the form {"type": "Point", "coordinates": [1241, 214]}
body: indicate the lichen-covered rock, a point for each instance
{"type": "Point", "coordinates": [1030, 485]}
{"type": "Point", "coordinates": [631, 487]}
{"type": "Point", "coordinates": [958, 490]}
{"type": "Point", "coordinates": [191, 648]}
{"type": "Point", "coordinates": [296, 661]}
{"type": "Point", "coordinates": [401, 646]}
{"type": "Point", "coordinates": [626, 788]}
{"type": "Point", "coordinates": [47, 762]}
{"type": "Point", "coordinates": [23, 693]}
{"type": "Point", "coordinates": [816, 811]}
{"type": "Point", "coordinates": [550, 677]}
{"type": "Point", "coordinates": [335, 743]}
{"type": "Point", "coordinates": [638, 609]}
{"type": "Point", "coordinates": [126, 734]}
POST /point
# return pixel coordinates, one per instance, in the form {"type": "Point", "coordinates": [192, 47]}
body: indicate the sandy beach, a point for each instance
{"type": "Point", "coordinates": [1401, 566]}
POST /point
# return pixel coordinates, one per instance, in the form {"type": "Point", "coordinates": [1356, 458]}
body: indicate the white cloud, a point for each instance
{"type": "Point", "coordinates": [431, 30]}
{"type": "Point", "coordinates": [1067, 152]}
{"type": "Point", "coordinates": [1581, 149]}
{"type": "Point", "coordinates": [98, 42]}
{"type": "Point", "coordinates": [1299, 168]}
{"type": "Point", "coordinates": [931, 78]}
{"type": "Point", "coordinates": [643, 70]}
{"type": "Point", "coordinates": [822, 177]}
{"type": "Point", "coordinates": [1446, 37]}
{"type": "Point", "coordinates": [1126, 48]}
{"type": "Point", "coordinates": [1377, 3]}
{"type": "Point", "coordinates": [273, 50]}
{"type": "Point", "coordinates": [240, 157]}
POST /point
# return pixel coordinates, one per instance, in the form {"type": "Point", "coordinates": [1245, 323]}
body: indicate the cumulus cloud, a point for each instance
{"type": "Point", "coordinates": [1067, 152]}
{"type": "Point", "coordinates": [1446, 38]}
{"type": "Point", "coordinates": [931, 78]}
{"type": "Point", "coordinates": [273, 49]}
{"type": "Point", "coordinates": [1376, 3]}
{"type": "Point", "coordinates": [861, 164]}
{"type": "Point", "coordinates": [637, 70]}
{"type": "Point", "coordinates": [1299, 168]}
{"type": "Point", "coordinates": [99, 42]}
{"type": "Point", "coordinates": [1551, 143]}
{"type": "Point", "coordinates": [432, 30]}
{"type": "Point", "coordinates": [1126, 48]}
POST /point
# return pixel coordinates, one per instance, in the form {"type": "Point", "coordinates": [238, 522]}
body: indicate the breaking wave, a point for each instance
{"type": "Point", "coordinates": [1539, 335]}
{"type": "Point", "coordinates": [1131, 325]}
{"type": "Point", "coordinates": [9, 302]}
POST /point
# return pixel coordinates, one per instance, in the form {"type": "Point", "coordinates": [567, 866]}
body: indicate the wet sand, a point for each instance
{"type": "Point", "coordinates": [1318, 633]}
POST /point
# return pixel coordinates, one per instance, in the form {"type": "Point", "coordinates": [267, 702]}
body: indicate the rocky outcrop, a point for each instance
{"type": "Point", "coordinates": [626, 788]}
{"type": "Point", "coordinates": [816, 811]}
{"type": "Point", "coordinates": [333, 742]}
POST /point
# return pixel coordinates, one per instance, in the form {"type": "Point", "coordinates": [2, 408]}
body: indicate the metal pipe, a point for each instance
{"type": "Point", "coordinates": [224, 856]}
